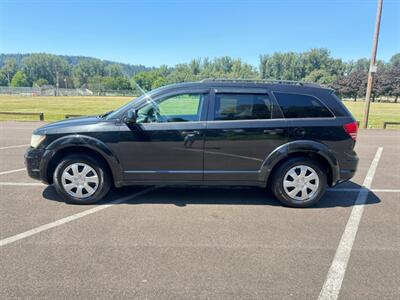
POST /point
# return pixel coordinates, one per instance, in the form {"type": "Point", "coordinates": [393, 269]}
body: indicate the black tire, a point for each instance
{"type": "Point", "coordinates": [104, 180]}
{"type": "Point", "coordinates": [278, 189]}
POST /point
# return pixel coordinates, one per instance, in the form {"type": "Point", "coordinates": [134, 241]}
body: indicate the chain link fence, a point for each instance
{"type": "Point", "coordinates": [52, 91]}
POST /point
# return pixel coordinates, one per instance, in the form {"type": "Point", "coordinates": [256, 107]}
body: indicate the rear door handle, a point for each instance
{"type": "Point", "coordinates": [299, 132]}
{"type": "Point", "coordinates": [194, 132]}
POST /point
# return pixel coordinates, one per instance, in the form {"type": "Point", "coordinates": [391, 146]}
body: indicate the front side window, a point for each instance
{"type": "Point", "coordinates": [302, 106]}
{"type": "Point", "coordinates": [177, 108]}
{"type": "Point", "coordinates": [242, 107]}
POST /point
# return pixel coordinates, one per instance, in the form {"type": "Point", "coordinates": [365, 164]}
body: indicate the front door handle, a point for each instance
{"type": "Point", "coordinates": [273, 131]}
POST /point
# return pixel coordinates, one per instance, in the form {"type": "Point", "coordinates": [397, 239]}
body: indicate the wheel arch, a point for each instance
{"type": "Point", "coordinates": [77, 144]}
{"type": "Point", "coordinates": [301, 148]}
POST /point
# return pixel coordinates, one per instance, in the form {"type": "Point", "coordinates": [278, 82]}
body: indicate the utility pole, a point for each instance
{"type": "Point", "coordinates": [372, 66]}
{"type": "Point", "coordinates": [57, 83]}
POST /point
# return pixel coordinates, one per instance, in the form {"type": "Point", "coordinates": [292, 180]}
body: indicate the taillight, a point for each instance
{"type": "Point", "coordinates": [351, 129]}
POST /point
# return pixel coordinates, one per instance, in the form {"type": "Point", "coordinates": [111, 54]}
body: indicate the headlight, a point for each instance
{"type": "Point", "coordinates": [36, 139]}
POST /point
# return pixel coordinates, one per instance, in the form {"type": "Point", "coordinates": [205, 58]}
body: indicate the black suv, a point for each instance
{"type": "Point", "coordinates": [293, 137]}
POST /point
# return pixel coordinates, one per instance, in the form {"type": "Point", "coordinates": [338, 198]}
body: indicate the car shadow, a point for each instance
{"type": "Point", "coordinates": [182, 196]}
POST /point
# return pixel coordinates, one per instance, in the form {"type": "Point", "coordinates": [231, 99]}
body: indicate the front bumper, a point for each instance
{"type": "Point", "coordinates": [33, 159]}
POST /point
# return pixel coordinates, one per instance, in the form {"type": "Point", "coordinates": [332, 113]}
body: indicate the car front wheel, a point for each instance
{"type": "Point", "coordinates": [80, 179]}
{"type": "Point", "coordinates": [299, 182]}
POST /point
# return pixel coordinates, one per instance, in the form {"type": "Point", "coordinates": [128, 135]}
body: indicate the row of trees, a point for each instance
{"type": "Point", "coordinates": [64, 71]}
{"type": "Point", "coordinates": [353, 85]}
{"type": "Point", "coordinates": [316, 65]}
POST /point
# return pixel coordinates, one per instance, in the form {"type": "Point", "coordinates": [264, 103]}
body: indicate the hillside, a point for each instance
{"type": "Point", "coordinates": [128, 69]}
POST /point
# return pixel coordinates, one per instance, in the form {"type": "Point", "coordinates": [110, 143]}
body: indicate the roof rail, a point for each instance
{"type": "Point", "coordinates": [277, 81]}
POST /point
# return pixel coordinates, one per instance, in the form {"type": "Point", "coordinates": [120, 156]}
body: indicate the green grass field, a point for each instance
{"type": "Point", "coordinates": [378, 113]}
{"type": "Point", "coordinates": [55, 108]}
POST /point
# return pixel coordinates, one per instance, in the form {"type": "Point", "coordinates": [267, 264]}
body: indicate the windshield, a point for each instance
{"type": "Point", "coordinates": [146, 97]}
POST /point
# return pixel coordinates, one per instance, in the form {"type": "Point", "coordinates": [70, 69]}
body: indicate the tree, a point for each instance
{"type": "Point", "coordinates": [360, 65]}
{"type": "Point", "coordinates": [40, 82]}
{"type": "Point", "coordinates": [388, 82]}
{"type": "Point", "coordinates": [315, 59]}
{"type": "Point", "coordinates": [3, 79]}
{"type": "Point", "coordinates": [321, 77]}
{"type": "Point", "coordinates": [86, 69]}
{"type": "Point", "coordinates": [395, 82]}
{"type": "Point", "coordinates": [282, 66]}
{"type": "Point", "coordinates": [395, 60]}
{"type": "Point", "coordinates": [116, 83]}
{"type": "Point", "coordinates": [144, 80]}
{"type": "Point", "coordinates": [297, 66]}
{"type": "Point", "coordinates": [114, 70]}
{"type": "Point", "coordinates": [19, 79]}
{"type": "Point", "coordinates": [351, 85]}
{"type": "Point", "coordinates": [50, 67]}
{"type": "Point", "coordinates": [242, 70]}
{"type": "Point", "coordinates": [182, 73]}
{"type": "Point", "coordinates": [195, 66]}
{"type": "Point", "coordinates": [159, 82]}
{"type": "Point", "coordinates": [101, 84]}
{"type": "Point", "coordinates": [9, 69]}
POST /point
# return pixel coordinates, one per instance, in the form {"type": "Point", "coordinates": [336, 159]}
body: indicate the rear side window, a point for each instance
{"type": "Point", "coordinates": [242, 107]}
{"type": "Point", "coordinates": [302, 106]}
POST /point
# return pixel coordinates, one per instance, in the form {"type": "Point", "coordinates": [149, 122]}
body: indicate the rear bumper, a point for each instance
{"type": "Point", "coordinates": [348, 168]}
{"type": "Point", "coordinates": [346, 175]}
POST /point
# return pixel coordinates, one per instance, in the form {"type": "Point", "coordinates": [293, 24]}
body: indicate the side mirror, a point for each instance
{"type": "Point", "coordinates": [131, 117]}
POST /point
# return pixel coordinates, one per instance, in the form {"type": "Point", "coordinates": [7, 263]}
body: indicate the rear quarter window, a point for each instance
{"type": "Point", "coordinates": [296, 106]}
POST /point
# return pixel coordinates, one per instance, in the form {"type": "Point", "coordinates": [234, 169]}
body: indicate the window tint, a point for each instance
{"type": "Point", "coordinates": [302, 106]}
{"type": "Point", "coordinates": [242, 107]}
{"type": "Point", "coordinates": [178, 108]}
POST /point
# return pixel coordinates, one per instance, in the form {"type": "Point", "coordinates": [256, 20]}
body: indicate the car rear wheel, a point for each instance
{"type": "Point", "coordinates": [80, 179]}
{"type": "Point", "coordinates": [299, 182]}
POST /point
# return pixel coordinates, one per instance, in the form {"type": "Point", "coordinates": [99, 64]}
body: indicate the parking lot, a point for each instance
{"type": "Point", "coordinates": [219, 243]}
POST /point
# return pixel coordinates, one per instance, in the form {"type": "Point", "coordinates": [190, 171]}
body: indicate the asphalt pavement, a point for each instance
{"type": "Point", "coordinates": [202, 243]}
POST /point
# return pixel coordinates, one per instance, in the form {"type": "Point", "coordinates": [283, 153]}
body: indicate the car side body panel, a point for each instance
{"type": "Point", "coordinates": [162, 151]}
{"type": "Point", "coordinates": [236, 150]}
{"type": "Point", "coordinates": [207, 152]}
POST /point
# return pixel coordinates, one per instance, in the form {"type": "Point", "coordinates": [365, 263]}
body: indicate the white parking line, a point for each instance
{"type": "Point", "coordinates": [12, 171]}
{"type": "Point", "coordinates": [334, 279]}
{"type": "Point", "coordinates": [386, 190]}
{"type": "Point", "coordinates": [359, 189]}
{"type": "Point", "coordinates": [15, 146]}
{"type": "Point", "coordinates": [22, 183]}
{"type": "Point", "coordinates": [71, 218]}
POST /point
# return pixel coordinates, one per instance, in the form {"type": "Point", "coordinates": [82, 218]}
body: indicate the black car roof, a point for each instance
{"type": "Point", "coordinates": [275, 85]}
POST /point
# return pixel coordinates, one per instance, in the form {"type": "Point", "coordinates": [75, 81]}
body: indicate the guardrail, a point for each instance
{"type": "Point", "coordinates": [385, 124]}
{"type": "Point", "coordinates": [41, 115]}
